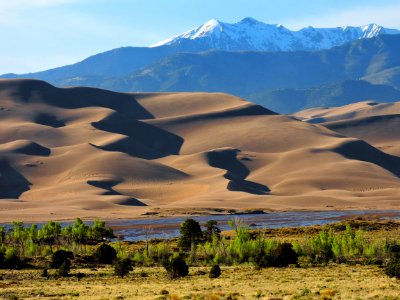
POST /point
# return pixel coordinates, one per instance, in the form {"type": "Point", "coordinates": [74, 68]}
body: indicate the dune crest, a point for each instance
{"type": "Point", "coordinates": [376, 123]}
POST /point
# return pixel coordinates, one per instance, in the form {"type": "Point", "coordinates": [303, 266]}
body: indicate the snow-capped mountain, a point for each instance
{"type": "Point", "coordinates": [250, 34]}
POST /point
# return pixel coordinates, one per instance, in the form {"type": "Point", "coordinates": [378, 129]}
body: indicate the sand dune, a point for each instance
{"type": "Point", "coordinates": [352, 111]}
{"type": "Point", "coordinates": [376, 123]}
{"type": "Point", "coordinates": [94, 153]}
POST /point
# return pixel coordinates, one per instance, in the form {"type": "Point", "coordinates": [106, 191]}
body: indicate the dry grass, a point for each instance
{"type": "Point", "coordinates": [242, 282]}
{"type": "Point", "coordinates": [331, 282]}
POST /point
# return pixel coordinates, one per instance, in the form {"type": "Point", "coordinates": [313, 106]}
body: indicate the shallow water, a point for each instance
{"type": "Point", "coordinates": [168, 227]}
{"type": "Point", "coordinates": [133, 230]}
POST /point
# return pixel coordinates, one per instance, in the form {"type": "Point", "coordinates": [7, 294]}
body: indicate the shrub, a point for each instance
{"type": "Point", "coordinates": [215, 271]}
{"type": "Point", "coordinates": [282, 256]}
{"type": "Point", "coordinates": [2, 259]}
{"type": "Point", "coordinates": [394, 251]}
{"type": "Point", "coordinates": [392, 268]}
{"type": "Point", "coordinates": [324, 255]}
{"type": "Point", "coordinates": [122, 267]}
{"type": "Point", "coordinates": [59, 257]}
{"type": "Point", "coordinates": [143, 273]}
{"type": "Point", "coordinates": [45, 273]}
{"type": "Point", "coordinates": [176, 267]}
{"type": "Point", "coordinates": [12, 260]}
{"type": "Point", "coordinates": [260, 259]}
{"type": "Point", "coordinates": [105, 254]}
{"type": "Point", "coordinates": [65, 268]}
{"type": "Point", "coordinates": [164, 292]}
{"type": "Point", "coordinates": [190, 234]}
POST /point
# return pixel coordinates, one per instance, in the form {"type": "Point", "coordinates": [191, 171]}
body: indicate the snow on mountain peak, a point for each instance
{"type": "Point", "coordinates": [212, 27]}
{"type": "Point", "coordinates": [251, 34]}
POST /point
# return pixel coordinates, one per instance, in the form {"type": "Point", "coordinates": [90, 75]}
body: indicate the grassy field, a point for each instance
{"type": "Point", "coordinates": [243, 282]}
{"type": "Point", "coordinates": [333, 281]}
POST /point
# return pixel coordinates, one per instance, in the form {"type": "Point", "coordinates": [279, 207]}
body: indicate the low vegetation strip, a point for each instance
{"type": "Point", "coordinates": [72, 253]}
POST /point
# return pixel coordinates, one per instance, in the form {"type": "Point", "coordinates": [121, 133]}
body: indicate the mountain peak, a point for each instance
{"type": "Point", "coordinates": [251, 34]}
{"type": "Point", "coordinates": [212, 26]}
{"type": "Point", "coordinates": [213, 22]}
{"type": "Point", "coordinates": [249, 20]}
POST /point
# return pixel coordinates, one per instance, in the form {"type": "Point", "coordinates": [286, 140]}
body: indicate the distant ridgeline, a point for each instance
{"type": "Point", "coordinates": [269, 64]}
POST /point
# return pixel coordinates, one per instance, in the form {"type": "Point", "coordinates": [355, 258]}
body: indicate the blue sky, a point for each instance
{"type": "Point", "coordinates": [41, 34]}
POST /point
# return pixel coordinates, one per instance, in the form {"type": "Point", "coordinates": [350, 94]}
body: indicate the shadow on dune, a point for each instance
{"type": "Point", "coordinates": [36, 91]}
{"type": "Point", "coordinates": [143, 140]}
{"type": "Point", "coordinates": [108, 187]}
{"type": "Point", "coordinates": [12, 183]}
{"type": "Point", "coordinates": [393, 120]}
{"type": "Point", "coordinates": [48, 120]}
{"type": "Point", "coordinates": [236, 172]}
{"type": "Point", "coordinates": [147, 141]}
{"type": "Point", "coordinates": [131, 147]}
{"type": "Point", "coordinates": [360, 150]}
{"type": "Point", "coordinates": [33, 148]}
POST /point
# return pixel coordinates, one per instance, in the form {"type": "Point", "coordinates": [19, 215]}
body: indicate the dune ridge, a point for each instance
{"type": "Point", "coordinates": [376, 123]}
{"type": "Point", "coordinates": [68, 152]}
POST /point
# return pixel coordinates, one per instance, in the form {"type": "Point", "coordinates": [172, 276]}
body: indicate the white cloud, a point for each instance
{"type": "Point", "coordinates": [385, 15]}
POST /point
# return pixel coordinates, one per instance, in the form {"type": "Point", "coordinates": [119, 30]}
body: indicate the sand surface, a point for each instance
{"type": "Point", "coordinates": [91, 153]}
{"type": "Point", "coordinates": [375, 123]}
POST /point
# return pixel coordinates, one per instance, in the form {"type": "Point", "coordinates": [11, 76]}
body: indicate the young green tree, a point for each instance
{"type": "Point", "coordinates": [100, 232]}
{"type": "Point", "coordinates": [2, 234]}
{"type": "Point", "coordinates": [66, 234]}
{"type": "Point", "coordinates": [212, 231]}
{"type": "Point", "coordinates": [33, 233]}
{"type": "Point", "coordinates": [19, 235]}
{"type": "Point", "coordinates": [190, 234]}
{"type": "Point", "coordinates": [50, 233]}
{"type": "Point", "coordinates": [80, 231]}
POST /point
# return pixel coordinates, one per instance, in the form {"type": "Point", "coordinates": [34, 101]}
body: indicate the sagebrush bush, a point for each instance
{"type": "Point", "coordinates": [215, 271]}
{"type": "Point", "coordinates": [45, 273]}
{"type": "Point", "coordinates": [283, 256]}
{"type": "Point", "coordinates": [59, 257]}
{"type": "Point", "coordinates": [176, 267]}
{"type": "Point", "coordinates": [12, 260]}
{"type": "Point", "coordinates": [65, 268]}
{"type": "Point", "coordinates": [392, 268]}
{"type": "Point", "coordinates": [105, 254]}
{"type": "Point", "coordinates": [394, 250]}
{"type": "Point", "coordinates": [122, 267]}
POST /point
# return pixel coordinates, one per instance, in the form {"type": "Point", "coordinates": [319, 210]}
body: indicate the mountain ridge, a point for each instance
{"type": "Point", "coordinates": [125, 60]}
{"type": "Point", "coordinates": [251, 34]}
{"type": "Point", "coordinates": [166, 69]}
